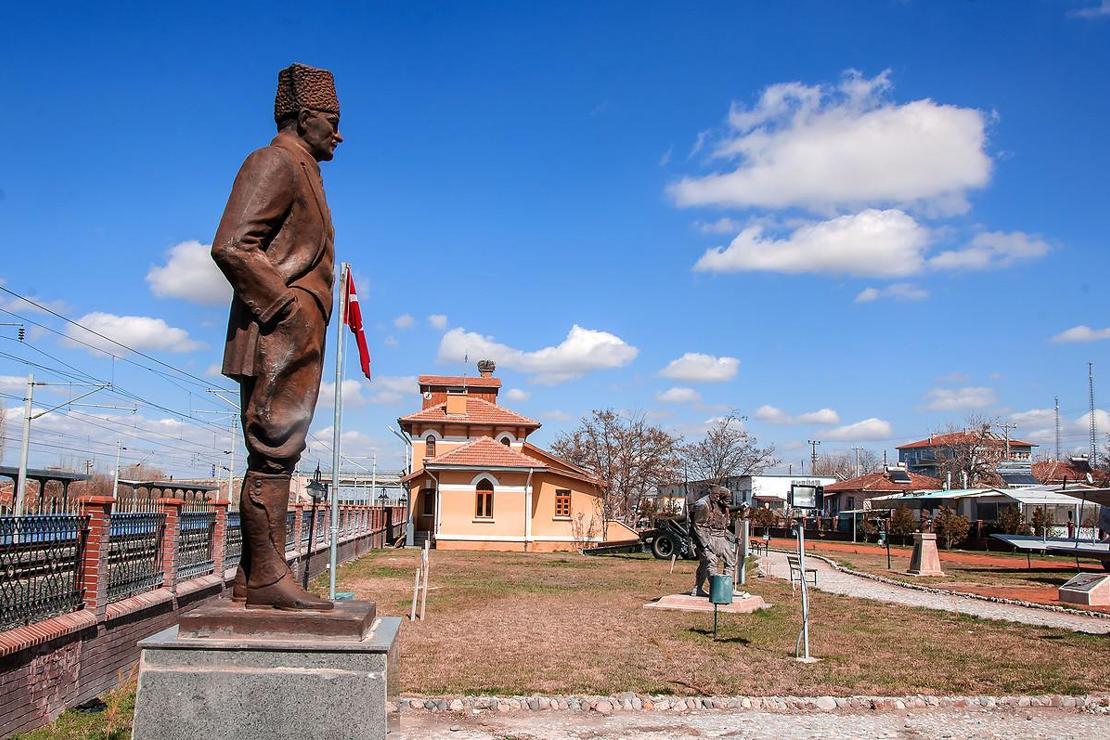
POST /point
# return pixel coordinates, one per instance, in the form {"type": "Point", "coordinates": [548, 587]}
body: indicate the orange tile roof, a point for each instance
{"type": "Point", "coordinates": [878, 482]}
{"type": "Point", "coordinates": [474, 382]}
{"type": "Point", "coordinates": [956, 438]}
{"type": "Point", "coordinates": [485, 452]}
{"type": "Point", "coordinates": [478, 411]}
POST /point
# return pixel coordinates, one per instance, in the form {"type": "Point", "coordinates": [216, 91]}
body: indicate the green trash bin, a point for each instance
{"type": "Point", "coordinates": [720, 589]}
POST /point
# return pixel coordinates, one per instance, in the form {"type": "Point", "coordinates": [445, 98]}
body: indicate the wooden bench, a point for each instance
{"type": "Point", "coordinates": [796, 572]}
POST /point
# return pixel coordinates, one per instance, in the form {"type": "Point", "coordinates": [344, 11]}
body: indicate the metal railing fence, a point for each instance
{"type": "Point", "coordinates": [40, 566]}
{"type": "Point", "coordinates": [134, 554]}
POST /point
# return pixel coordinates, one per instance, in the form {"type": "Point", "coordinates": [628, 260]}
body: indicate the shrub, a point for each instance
{"type": "Point", "coordinates": [951, 528]}
{"type": "Point", "coordinates": [1042, 523]}
{"type": "Point", "coordinates": [902, 522]}
{"type": "Point", "coordinates": [1010, 521]}
{"type": "Point", "coordinates": [762, 517]}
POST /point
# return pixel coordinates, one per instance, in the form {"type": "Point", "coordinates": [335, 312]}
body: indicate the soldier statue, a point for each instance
{"type": "Point", "coordinates": [714, 542]}
{"type": "Point", "coordinates": [275, 246]}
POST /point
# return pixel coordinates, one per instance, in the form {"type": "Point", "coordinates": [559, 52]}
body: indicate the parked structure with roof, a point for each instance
{"type": "Point", "coordinates": [850, 495]}
{"type": "Point", "coordinates": [477, 483]}
{"type": "Point", "coordinates": [926, 455]}
{"type": "Point", "coordinates": [770, 490]}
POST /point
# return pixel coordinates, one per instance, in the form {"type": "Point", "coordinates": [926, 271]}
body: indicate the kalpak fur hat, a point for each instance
{"type": "Point", "coordinates": [300, 86]}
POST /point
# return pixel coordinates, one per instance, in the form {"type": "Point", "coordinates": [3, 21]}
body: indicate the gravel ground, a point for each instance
{"type": "Point", "coordinates": [834, 581]}
{"type": "Point", "coordinates": [931, 723]}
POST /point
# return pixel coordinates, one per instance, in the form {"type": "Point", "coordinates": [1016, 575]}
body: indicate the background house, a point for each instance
{"type": "Point", "coordinates": [850, 495]}
{"type": "Point", "coordinates": [477, 483]}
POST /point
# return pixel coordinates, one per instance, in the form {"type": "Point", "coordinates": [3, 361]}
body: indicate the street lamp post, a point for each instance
{"type": "Point", "coordinates": [318, 490]}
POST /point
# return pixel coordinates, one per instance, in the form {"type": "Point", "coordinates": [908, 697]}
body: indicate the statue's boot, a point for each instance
{"type": "Point", "coordinates": [270, 582]}
{"type": "Point", "coordinates": [242, 573]}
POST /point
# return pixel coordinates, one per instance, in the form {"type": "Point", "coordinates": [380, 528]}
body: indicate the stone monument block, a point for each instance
{"type": "Point", "coordinates": [259, 688]}
{"type": "Point", "coordinates": [925, 560]}
{"type": "Point", "coordinates": [1088, 589]}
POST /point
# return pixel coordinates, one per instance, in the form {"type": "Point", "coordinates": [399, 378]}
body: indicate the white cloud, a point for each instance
{"type": "Point", "coordinates": [557, 415]}
{"type": "Point", "coordinates": [897, 291]}
{"type": "Point", "coordinates": [13, 384]}
{"type": "Point", "coordinates": [582, 351]}
{"type": "Point", "coordinates": [391, 341]}
{"type": "Point", "coordinates": [1039, 425]}
{"type": "Point", "coordinates": [25, 306]}
{"type": "Point", "coordinates": [695, 367]}
{"type": "Point", "coordinates": [678, 395]}
{"type": "Point", "coordinates": [868, 430]}
{"type": "Point", "coordinates": [384, 389]}
{"type": "Point", "coordinates": [137, 332]}
{"type": "Point", "coordinates": [824, 147]}
{"type": "Point", "coordinates": [1102, 10]}
{"type": "Point", "coordinates": [404, 321]}
{"type": "Point", "coordinates": [516, 394]}
{"type": "Point", "coordinates": [871, 243]}
{"type": "Point", "coordinates": [437, 321]}
{"type": "Point", "coordinates": [774, 415]}
{"type": "Point", "coordinates": [191, 274]}
{"type": "Point", "coordinates": [958, 399]}
{"type": "Point", "coordinates": [991, 250]}
{"type": "Point", "coordinates": [213, 371]}
{"type": "Point", "coordinates": [1082, 333]}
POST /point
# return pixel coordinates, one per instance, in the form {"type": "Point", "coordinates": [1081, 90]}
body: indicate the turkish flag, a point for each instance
{"type": "Point", "coordinates": [354, 321]}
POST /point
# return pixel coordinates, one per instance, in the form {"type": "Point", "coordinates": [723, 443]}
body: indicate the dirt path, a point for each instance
{"type": "Point", "coordinates": [838, 582]}
{"type": "Point", "coordinates": [822, 547]}
{"type": "Point", "coordinates": [927, 723]}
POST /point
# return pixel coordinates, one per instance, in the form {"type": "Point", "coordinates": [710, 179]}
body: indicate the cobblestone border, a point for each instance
{"type": "Point", "coordinates": [949, 592]}
{"type": "Point", "coordinates": [633, 702]}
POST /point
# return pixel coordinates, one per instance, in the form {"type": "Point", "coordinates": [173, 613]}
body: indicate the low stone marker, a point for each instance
{"type": "Point", "coordinates": [925, 560]}
{"type": "Point", "coordinates": [1089, 589]}
{"type": "Point", "coordinates": [688, 603]}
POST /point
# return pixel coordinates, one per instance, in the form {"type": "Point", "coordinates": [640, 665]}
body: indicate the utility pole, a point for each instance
{"type": "Point", "coordinates": [857, 451]}
{"type": "Point", "coordinates": [1056, 405]}
{"type": "Point", "coordinates": [813, 455]}
{"type": "Point", "coordinates": [115, 481]}
{"type": "Point", "coordinates": [1093, 459]}
{"type": "Point", "coordinates": [24, 447]}
{"type": "Point", "coordinates": [1006, 433]}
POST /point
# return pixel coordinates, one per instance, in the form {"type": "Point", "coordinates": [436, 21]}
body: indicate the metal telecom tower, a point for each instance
{"type": "Point", "coordinates": [1056, 404]}
{"type": "Point", "coordinates": [1093, 459]}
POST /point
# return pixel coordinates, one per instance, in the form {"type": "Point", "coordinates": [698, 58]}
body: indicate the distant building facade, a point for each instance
{"type": "Point", "coordinates": [925, 456]}
{"type": "Point", "coordinates": [852, 494]}
{"type": "Point", "coordinates": [765, 489]}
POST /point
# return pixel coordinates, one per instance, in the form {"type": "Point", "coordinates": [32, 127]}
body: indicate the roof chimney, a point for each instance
{"type": "Point", "coordinates": [486, 368]}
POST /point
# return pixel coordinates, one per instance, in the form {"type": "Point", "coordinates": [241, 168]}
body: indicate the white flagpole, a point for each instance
{"type": "Point", "coordinates": [336, 435]}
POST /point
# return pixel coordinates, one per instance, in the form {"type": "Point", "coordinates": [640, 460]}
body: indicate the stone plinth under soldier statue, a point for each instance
{"type": "Point", "coordinates": [275, 245]}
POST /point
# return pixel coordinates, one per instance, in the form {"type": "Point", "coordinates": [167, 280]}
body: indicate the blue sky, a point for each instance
{"type": "Point", "coordinates": [862, 220]}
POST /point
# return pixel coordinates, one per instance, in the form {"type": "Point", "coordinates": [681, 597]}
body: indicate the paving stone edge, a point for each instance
{"type": "Point", "coordinates": [633, 702]}
{"type": "Point", "coordinates": [949, 592]}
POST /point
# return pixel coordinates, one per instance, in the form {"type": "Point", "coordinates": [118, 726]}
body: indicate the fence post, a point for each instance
{"type": "Point", "coordinates": [219, 538]}
{"type": "Point", "coordinates": [93, 576]}
{"type": "Point", "coordinates": [171, 507]}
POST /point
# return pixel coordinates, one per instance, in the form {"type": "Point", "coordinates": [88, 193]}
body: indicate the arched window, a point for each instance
{"type": "Point", "coordinates": [483, 500]}
{"type": "Point", "coordinates": [430, 446]}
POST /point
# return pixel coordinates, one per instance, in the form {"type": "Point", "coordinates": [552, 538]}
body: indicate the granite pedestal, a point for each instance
{"type": "Point", "coordinates": [262, 688]}
{"type": "Point", "coordinates": [925, 560]}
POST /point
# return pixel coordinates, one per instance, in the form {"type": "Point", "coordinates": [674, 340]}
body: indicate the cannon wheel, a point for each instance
{"type": "Point", "coordinates": [662, 547]}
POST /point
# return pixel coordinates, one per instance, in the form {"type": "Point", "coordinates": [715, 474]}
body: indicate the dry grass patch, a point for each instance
{"type": "Point", "coordinates": [512, 623]}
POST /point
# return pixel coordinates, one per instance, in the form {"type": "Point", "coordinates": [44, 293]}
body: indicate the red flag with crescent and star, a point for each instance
{"type": "Point", "coordinates": [354, 321]}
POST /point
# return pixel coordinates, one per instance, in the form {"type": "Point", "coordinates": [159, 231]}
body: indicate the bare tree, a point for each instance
{"type": "Point", "coordinates": [842, 465]}
{"type": "Point", "coordinates": [972, 451]}
{"type": "Point", "coordinates": [630, 456]}
{"type": "Point", "coordinates": [727, 450]}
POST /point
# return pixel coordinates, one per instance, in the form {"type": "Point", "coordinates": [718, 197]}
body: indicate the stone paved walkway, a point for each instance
{"type": "Point", "coordinates": [838, 582]}
{"type": "Point", "coordinates": [930, 723]}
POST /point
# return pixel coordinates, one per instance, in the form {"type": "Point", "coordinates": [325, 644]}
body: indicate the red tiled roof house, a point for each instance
{"type": "Point", "coordinates": [477, 483]}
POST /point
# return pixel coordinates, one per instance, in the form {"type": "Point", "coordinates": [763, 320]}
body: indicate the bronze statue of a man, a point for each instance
{"type": "Point", "coordinates": [713, 541]}
{"type": "Point", "coordinates": [275, 245]}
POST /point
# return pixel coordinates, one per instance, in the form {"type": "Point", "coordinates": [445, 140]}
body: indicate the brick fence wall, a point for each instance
{"type": "Point", "coordinates": [61, 662]}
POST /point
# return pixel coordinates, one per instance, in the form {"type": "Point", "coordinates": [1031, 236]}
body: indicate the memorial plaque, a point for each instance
{"type": "Point", "coordinates": [1088, 589]}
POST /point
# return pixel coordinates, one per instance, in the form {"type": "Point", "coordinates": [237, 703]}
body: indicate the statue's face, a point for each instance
{"type": "Point", "coordinates": [721, 495]}
{"type": "Point", "coordinates": [320, 131]}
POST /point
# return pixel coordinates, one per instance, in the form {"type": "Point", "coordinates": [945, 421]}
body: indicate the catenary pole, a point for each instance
{"type": "Point", "coordinates": [24, 447]}
{"type": "Point", "coordinates": [336, 434]}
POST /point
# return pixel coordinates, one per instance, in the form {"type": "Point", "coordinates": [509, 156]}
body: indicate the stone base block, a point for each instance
{"type": "Point", "coordinates": [925, 560]}
{"type": "Point", "coordinates": [264, 689]}
{"type": "Point", "coordinates": [688, 603]}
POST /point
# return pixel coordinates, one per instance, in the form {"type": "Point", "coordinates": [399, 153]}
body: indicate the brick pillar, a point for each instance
{"type": "Point", "coordinates": [171, 507]}
{"type": "Point", "coordinates": [298, 524]}
{"type": "Point", "coordinates": [219, 538]}
{"type": "Point", "coordinates": [93, 577]}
